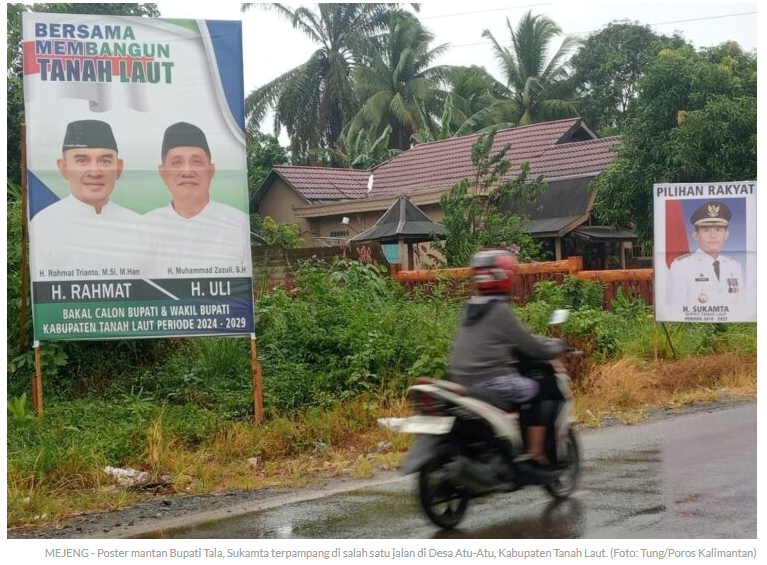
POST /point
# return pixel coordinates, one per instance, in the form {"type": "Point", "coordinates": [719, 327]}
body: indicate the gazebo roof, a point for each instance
{"type": "Point", "coordinates": [403, 220]}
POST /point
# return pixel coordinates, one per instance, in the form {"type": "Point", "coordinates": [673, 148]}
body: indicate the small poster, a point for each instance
{"type": "Point", "coordinates": [705, 252]}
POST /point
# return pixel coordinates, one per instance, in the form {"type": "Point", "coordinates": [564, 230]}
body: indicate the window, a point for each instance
{"type": "Point", "coordinates": [343, 233]}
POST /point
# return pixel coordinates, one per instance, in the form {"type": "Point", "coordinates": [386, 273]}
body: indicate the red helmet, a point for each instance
{"type": "Point", "coordinates": [492, 271]}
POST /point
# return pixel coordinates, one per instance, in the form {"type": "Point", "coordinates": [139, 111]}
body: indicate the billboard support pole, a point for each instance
{"type": "Point", "coordinates": [258, 386]}
{"type": "Point", "coordinates": [24, 238]}
{"type": "Point", "coordinates": [668, 339]}
{"type": "Point", "coordinates": [37, 384]}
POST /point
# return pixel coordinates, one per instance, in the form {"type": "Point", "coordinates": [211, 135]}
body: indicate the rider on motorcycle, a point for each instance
{"type": "Point", "coordinates": [487, 344]}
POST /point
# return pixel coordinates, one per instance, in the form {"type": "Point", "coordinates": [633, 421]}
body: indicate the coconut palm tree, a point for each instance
{"type": "Point", "coordinates": [477, 97]}
{"type": "Point", "coordinates": [536, 90]}
{"type": "Point", "coordinates": [397, 78]}
{"type": "Point", "coordinates": [315, 99]}
{"type": "Point", "coordinates": [478, 122]}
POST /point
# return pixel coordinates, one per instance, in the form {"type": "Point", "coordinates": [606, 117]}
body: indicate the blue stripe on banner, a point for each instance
{"type": "Point", "coordinates": [40, 196]}
{"type": "Point", "coordinates": [226, 38]}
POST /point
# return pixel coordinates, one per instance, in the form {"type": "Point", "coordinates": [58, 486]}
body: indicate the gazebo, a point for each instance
{"type": "Point", "coordinates": [403, 223]}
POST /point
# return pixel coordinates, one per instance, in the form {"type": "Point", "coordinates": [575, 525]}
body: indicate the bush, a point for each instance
{"type": "Point", "coordinates": [347, 329]}
{"type": "Point", "coordinates": [573, 293]}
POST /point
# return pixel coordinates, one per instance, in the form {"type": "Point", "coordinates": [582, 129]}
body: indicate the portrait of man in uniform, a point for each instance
{"type": "Point", "coordinates": [707, 276]}
{"type": "Point", "coordinates": [86, 230]}
{"type": "Point", "coordinates": [193, 231]}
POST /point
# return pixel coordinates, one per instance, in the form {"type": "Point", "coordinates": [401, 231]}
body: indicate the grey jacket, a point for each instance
{"type": "Point", "coordinates": [487, 338]}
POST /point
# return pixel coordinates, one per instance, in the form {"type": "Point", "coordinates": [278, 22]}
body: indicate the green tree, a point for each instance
{"type": "Point", "coordinates": [718, 141]}
{"type": "Point", "coordinates": [607, 69]}
{"type": "Point", "coordinates": [694, 120]}
{"type": "Point", "coordinates": [285, 234]}
{"type": "Point", "coordinates": [263, 152]}
{"type": "Point", "coordinates": [474, 211]}
{"type": "Point", "coordinates": [474, 90]}
{"type": "Point", "coordinates": [314, 100]}
{"type": "Point", "coordinates": [14, 104]}
{"type": "Point", "coordinates": [537, 91]}
{"type": "Point", "coordinates": [398, 78]}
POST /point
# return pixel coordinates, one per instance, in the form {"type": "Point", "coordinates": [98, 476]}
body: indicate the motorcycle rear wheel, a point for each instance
{"type": "Point", "coordinates": [443, 501]}
{"type": "Point", "coordinates": [567, 481]}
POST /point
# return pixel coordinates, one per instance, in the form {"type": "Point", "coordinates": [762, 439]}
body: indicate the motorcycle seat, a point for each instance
{"type": "Point", "coordinates": [447, 385]}
{"type": "Point", "coordinates": [494, 399]}
{"type": "Point", "coordinates": [483, 395]}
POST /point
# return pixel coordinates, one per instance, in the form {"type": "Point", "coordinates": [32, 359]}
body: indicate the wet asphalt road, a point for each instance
{"type": "Point", "coordinates": [691, 476]}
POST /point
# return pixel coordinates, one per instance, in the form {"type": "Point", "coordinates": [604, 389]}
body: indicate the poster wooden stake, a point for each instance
{"type": "Point", "coordinates": [37, 384]}
{"type": "Point", "coordinates": [24, 238]}
{"type": "Point", "coordinates": [668, 340]}
{"type": "Point", "coordinates": [258, 387]}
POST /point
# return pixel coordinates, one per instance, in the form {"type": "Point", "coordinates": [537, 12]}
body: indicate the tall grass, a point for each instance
{"type": "Point", "coordinates": [628, 387]}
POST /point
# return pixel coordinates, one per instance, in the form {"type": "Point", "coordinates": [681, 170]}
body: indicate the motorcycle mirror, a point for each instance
{"type": "Point", "coordinates": [559, 317]}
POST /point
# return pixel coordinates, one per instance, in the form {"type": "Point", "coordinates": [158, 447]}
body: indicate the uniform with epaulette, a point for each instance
{"type": "Point", "coordinates": [707, 278]}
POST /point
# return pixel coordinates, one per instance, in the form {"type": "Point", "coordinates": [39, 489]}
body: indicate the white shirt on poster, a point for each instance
{"type": "Point", "coordinates": [693, 280]}
{"type": "Point", "coordinates": [216, 241]}
{"type": "Point", "coordinates": [70, 240]}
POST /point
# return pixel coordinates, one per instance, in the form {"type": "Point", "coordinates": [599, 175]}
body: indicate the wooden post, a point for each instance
{"type": "Point", "coordinates": [574, 264]}
{"type": "Point", "coordinates": [24, 238]}
{"type": "Point", "coordinates": [409, 256]}
{"type": "Point", "coordinates": [258, 385]}
{"type": "Point", "coordinates": [622, 250]}
{"type": "Point", "coordinates": [37, 384]}
{"type": "Point", "coordinates": [668, 339]}
{"type": "Point", "coordinates": [558, 248]}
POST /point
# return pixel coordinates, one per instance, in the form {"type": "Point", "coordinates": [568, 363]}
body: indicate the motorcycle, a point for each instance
{"type": "Point", "coordinates": [466, 447]}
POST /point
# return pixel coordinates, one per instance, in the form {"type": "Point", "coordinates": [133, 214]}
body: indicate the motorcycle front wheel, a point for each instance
{"type": "Point", "coordinates": [567, 481]}
{"type": "Point", "coordinates": [443, 501]}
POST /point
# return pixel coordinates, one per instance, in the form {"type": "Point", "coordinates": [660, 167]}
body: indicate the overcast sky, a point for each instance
{"type": "Point", "coordinates": [271, 45]}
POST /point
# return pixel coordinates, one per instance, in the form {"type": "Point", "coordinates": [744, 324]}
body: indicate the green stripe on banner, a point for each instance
{"type": "Point", "coordinates": [155, 318]}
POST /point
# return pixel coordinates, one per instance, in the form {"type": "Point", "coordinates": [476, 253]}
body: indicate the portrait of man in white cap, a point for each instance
{"type": "Point", "coordinates": [706, 276]}
{"type": "Point", "coordinates": [193, 231]}
{"type": "Point", "coordinates": [86, 230]}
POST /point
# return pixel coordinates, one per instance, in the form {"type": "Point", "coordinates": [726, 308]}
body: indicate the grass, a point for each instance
{"type": "Point", "coordinates": [628, 388]}
{"type": "Point", "coordinates": [49, 479]}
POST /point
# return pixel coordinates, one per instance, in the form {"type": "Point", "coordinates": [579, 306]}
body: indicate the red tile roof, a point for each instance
{"type": "Point", "coordinates": [440, 164]}
{"type": "Point", "coordinates": [321, 184]}
{"type": "Point", "coordinates": [577, 158]}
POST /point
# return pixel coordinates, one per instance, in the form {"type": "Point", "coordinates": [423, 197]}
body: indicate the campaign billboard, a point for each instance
{"type": "Point", "coordinates": [705, 251]}
{"type": "Point", "coordinates": [138, 199]}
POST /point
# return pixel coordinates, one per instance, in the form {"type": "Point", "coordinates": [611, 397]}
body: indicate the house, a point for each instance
{"type": "Point", "coordinates": [333, 205]}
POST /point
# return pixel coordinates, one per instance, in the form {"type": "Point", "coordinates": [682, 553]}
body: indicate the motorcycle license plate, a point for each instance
{"type": "Point", "coordinates": [427, 425]}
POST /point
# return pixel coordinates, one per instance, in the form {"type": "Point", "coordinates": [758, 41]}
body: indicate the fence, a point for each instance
{"type": "Point", "coordinates": [634, 282]}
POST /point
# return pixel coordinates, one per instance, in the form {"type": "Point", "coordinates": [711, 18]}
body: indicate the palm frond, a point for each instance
{"type": "Point", "coordinates": [557, 62]}
{"type": "Point", "coordinates": [504, 57]}
{"type": "Point", "coordinates": [557, 109]}
{"type": "Point", "coordinates": [260, 100]}
{"type": "Point", "coordinates": [401, 112]}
